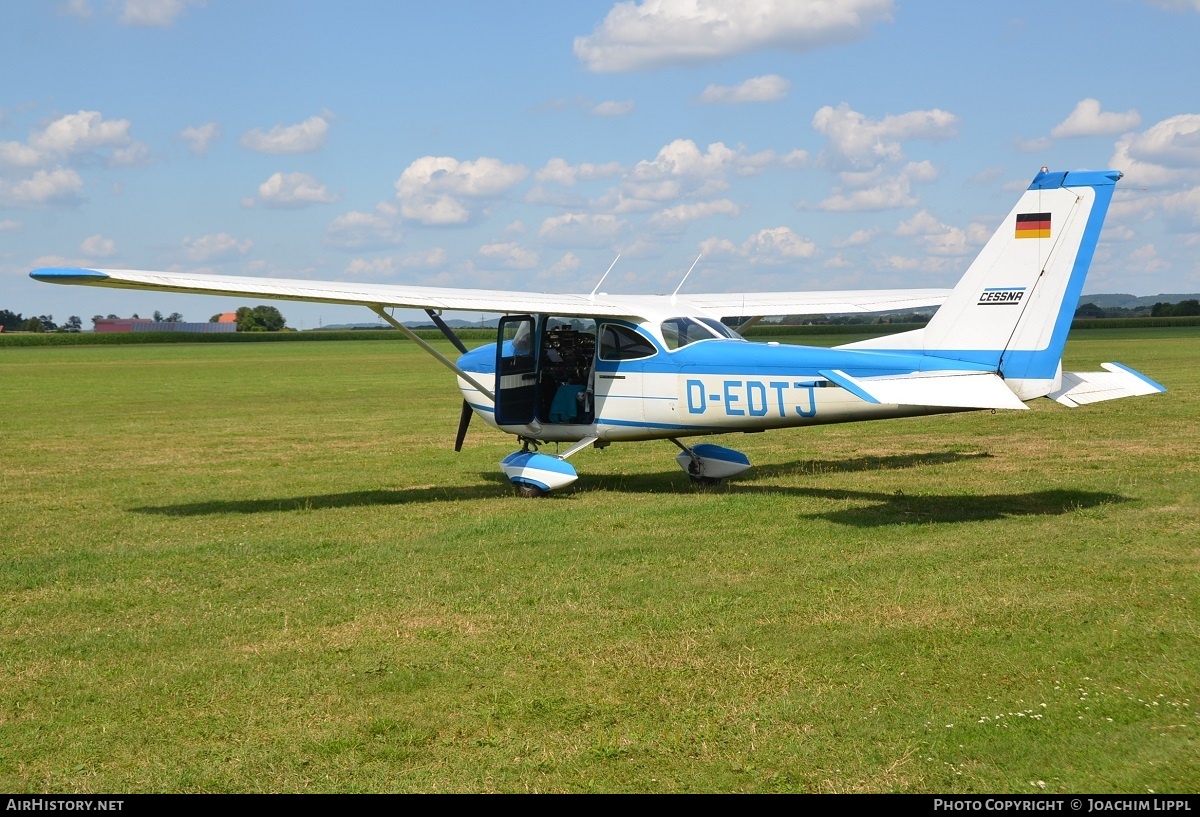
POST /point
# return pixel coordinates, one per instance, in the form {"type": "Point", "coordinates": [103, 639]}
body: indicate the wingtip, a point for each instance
{"type": "Point", "coordinates": [67, 275]}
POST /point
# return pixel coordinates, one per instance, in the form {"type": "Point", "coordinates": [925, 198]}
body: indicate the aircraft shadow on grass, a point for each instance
{"type": "Point", "coordinates": [863, 508]}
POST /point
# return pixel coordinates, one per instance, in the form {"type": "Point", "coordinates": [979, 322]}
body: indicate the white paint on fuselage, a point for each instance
{"type": "Point", "coordinates": [662, 405]}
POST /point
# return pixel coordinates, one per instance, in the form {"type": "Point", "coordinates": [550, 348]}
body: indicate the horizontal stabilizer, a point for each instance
{"type": "Point", "coordinates": [951, 389]}
{"type": "Point", "coordinates": [1081, 388]}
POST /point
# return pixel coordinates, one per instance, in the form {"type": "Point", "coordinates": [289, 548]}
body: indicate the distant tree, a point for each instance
{"type": "Point", "coordinates": [113, 317]}
{"type": "Point", "coordinates": [158, 316]}
{"type": "Point", "coordinates": [32, 325]}
{"type": "Point", "coordinates": [215, 318]}
{"type": "Point", "coordinates": [259, 319]}
{"type": "Point", "coordinates": [175, 317]}
{"type": "Point", "coordinates": [135, 316]}
{"type": "Point", "coordinates": [1185, 308]}
{"type": "Point", "coordinates": [10, 320]}
{"type": "Point", "coordinates": [73, 324]}
{"type": "Point", "coordinates": [96, 319]}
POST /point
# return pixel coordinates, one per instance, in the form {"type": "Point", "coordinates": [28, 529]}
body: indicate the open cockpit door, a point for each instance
{"type": "Point", "coordinates": [516, 370]}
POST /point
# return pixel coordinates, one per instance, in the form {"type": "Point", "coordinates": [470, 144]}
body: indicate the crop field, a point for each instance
{"type": "Point", "coordinates": [262, 568]}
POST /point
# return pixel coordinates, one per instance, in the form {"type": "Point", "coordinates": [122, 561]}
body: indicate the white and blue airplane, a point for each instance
{"type": "Point", "coordinates": [590, 370]}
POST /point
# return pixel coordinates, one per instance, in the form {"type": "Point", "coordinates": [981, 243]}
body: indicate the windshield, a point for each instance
{"type": "Point", "coordinates": [679, 332]}
{"type": "Point", "coordinates": [721, 329]}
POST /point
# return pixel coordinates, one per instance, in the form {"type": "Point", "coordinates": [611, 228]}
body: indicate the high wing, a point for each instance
{"type": "Point", "coordinates": [721, 305]}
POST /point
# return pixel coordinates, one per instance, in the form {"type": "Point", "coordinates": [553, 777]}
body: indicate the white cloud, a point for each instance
{"type": "Point", "coordinates": [8, 225]}
{"type": "Point", "coordinates": [776, 246]}
{"type": "Point", "coordinates": [559, 172]}
{"type": "Point", "coordinates": [613, 108]}
{"type": "Point", "coordinates": [365, 231]}
{"type": "Point", "coordinates": [215, 247]}
{"type": "Point", "coordinates": [440, 190]}
{"type": "Point", "coordinates": [97, 246]}
{"type": "Point", "coordinates": [1184, 206]}
{"type": "Point", "coordinates": [941, 239]}
{"type": "Point", "coordinates": [857, 142]}
{"type": "Point", "coordinates": [292, 191]}
{"type": "Point", "coordinates": [679, 170]}
{"type": "Point", "coordinates": [372, 267]}
{"type": "Point", "coordinates": [58, 186]}
{"type": "Point", "coordinates": [200, 137]}
{"type": "Point", "coordinates": [1147, 259]}
{"type": "Point", "coordinates": [718, 248]}
{"type": "Point", "coordinates": [390, 266]}
{"type": "Point", "coordinates": [768, 88]}
{"type": "Point", "coordinates": [1033, 145]}
{"type": "Point", "coordinates": [581, 230]}
{"type": "Point", "coordinates": [152, 13]}
{"type": "Point", "coordinates": [511, 254]}
{"type": "Point", "coordinates": [304, 137]}
{"type": "Point", "coordinates": [675, 218]}
{"type": "Point", "coordinates": [568, 263]}
{"type": "Point", "coordinates": [855, 239]}
{"type": "Point", "coordinates": [130, 155]}
{"type": "Point", "coordinates": [899, 262]}
{"type": "Point", "coordinates": [15, 154]}
{"type": "Point", "coordinates": [923, 223]}
{"type": "Point", "coordinates": [657, 33]}
{"type": "Point", "coordinates": [889, 192]}
{"type": "Point", "coordinates": [1088, 120]}
{"type": "Point", "coordinates": [76, 134]}
{"type": "Point", "coordinates": [1173, 142]}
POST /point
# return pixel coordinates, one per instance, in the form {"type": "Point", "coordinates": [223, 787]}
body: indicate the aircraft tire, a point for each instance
{"type": "Point", "coordinates": [529, 491]}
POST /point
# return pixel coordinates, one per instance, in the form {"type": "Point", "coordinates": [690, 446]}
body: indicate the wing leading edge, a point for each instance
{"type": "Point", "coordinates": [501, 301]}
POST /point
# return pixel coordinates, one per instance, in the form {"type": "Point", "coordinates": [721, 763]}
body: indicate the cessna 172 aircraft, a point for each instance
{"type": "Point", "coordinates": [590, 370]}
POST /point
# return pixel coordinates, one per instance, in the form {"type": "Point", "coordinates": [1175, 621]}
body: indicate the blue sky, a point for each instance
{"type": "Point", "coordinates": [794, 145]}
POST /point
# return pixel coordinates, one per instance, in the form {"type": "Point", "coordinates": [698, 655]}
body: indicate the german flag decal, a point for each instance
{"type": "Point", "coordinates": [1033, 225]}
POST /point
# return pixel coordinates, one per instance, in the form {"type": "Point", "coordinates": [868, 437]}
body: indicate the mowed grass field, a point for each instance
{"type": "Point", "coordinates": [262, 568]}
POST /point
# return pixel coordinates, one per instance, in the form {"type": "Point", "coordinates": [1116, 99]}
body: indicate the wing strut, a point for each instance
{"type": "Point", "coordinates": [445, 361]}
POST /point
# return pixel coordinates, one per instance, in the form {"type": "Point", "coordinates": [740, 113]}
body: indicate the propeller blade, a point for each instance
{"type": "Point", "coordinates": [464, 420]}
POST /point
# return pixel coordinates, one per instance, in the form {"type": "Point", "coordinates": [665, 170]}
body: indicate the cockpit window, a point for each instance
{"type": "Point", "coordinates": [679, 332]}
{"type": "Point", "coordinates": [619, 342]}
{"type": "Point", "coordinates": [721, 329]}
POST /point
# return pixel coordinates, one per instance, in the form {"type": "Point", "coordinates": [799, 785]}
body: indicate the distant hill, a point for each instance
{"type": "Point", "coordinates": [1123, 301]}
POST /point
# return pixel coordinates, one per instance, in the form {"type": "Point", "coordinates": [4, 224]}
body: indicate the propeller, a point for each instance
{"type": "Point", "coordinates": [464, 420]}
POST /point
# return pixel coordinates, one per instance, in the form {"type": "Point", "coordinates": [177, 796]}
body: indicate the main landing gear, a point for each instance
{"type": "Point", "coordinates": [708, 464]}
{"type": "Point", "coordinates": [534, 475]}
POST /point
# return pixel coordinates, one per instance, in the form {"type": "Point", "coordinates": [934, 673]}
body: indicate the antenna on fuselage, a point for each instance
{"type": "Point", "coordinates": [685, 277]}
{"type": "Point", "coordinates": [592, 296]}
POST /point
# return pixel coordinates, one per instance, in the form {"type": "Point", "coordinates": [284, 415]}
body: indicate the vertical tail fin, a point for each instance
{"type": "Point", "coordinates": [1013, 307]}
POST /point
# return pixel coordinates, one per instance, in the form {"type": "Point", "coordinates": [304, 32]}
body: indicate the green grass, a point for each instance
{"type": "Point", "coordinates": [262, 568]}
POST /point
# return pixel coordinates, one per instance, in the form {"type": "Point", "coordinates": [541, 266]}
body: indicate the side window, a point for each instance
{"type": "Point", "coordinates": [619, 342]}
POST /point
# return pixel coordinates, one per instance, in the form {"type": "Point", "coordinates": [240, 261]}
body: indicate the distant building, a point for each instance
{"type": "Point", "coordinates": [147, 325]}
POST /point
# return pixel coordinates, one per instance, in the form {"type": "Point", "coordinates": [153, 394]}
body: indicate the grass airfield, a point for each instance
{"type": "Point", "coordinates": [262, 568]}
